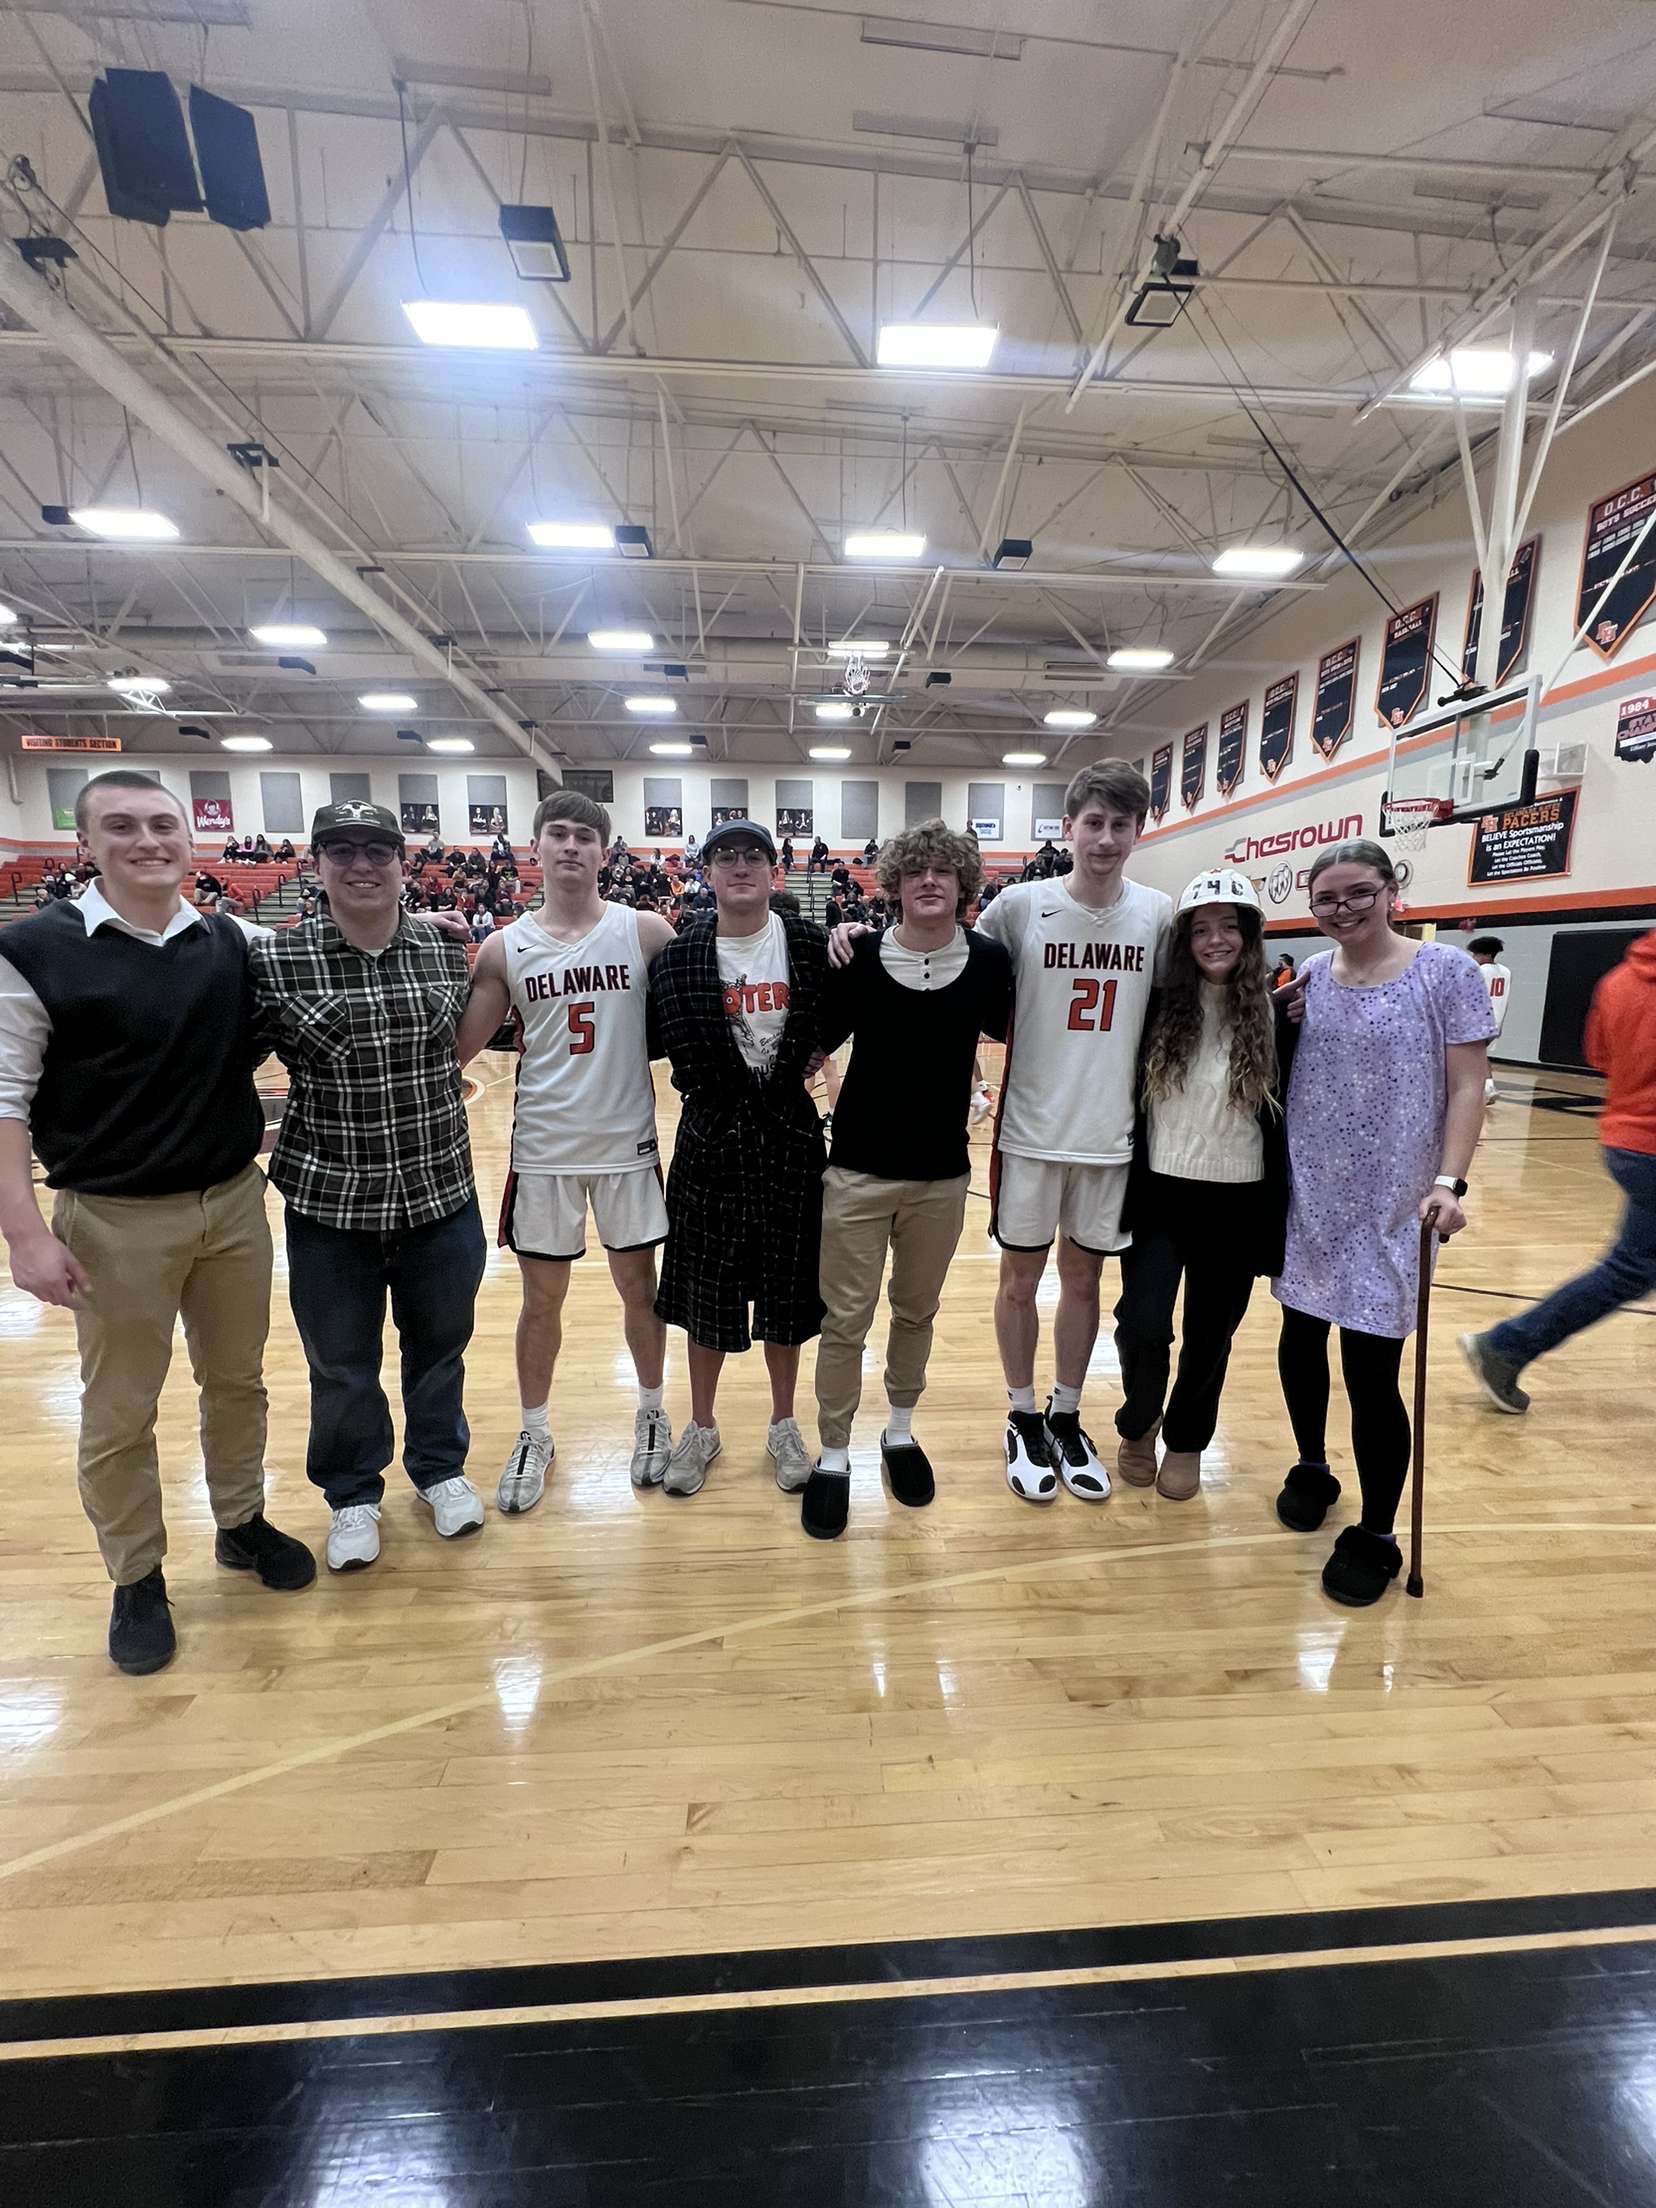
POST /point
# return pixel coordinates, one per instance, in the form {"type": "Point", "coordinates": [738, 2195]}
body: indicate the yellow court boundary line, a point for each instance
{"type": "Point", "coordinates": [801, 1997]}
{"type": "Point", "coordinates": [55, 1851]}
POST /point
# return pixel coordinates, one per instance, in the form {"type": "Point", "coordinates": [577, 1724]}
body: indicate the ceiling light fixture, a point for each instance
{"type": "Point", "coordinates": [936, 344]}
{"type": "Point", "coordinates": [450, 746]}
{"type": "Point", "coordinates": [830, 751]}
{"type": "Point", "coordinates": [244, 743]}
{"type": "Point", "coordinates": [479, 324]}
{"type": "Point", "coordinates": [282, 634]}
{"type": "Point", "coordinates": [621, 640]}
{"type": "Point", "coordinates": [1474, 371]}
{"type": "Point", "coordinates": [883, 544]}
{"type": "Point", "coordinates": [1013, 553]}
{"type": "Point", "coordinates": [1159, 301]}
{"type": "Point", "coordinates": [1023, 758]}
{"type": "Point", "coordinates": [832, 709]}
{"type": "Point", "coordinates": [572, 536]}
{"type": "Point", "coordinates": [865, 647]}
{"type": "Point", "coordinates": [139, 686]}
{"type": "Point", "coordinates": [7, 617]}
{"type": "Point", "coordinates": [535, 243]}
{"type": "Point", "coordinates": [387, 701]}
{"type": "Point", "coordinates": [660, 708]}
{"type": "Point", "coordinates": [632, 541]}
{"type": "Point", "coordinates": [1265, 563]}
{"type": "Point", "coordinates": [1069, 716]}
{"type": "Point", "coordinates": [672, 751]}
{"type": "Point", "coordinates": [124, 524]}
{"type": "Point", "coordinates": [1140, 659]}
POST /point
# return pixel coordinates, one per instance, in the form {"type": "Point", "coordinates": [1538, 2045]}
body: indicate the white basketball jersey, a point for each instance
{"type": "Point", "coordinates": [1498, 981]}
{"type": "Point", "coordinates": [585, 1100]}
{"type": "Point", "coordinates": [1083, 987]}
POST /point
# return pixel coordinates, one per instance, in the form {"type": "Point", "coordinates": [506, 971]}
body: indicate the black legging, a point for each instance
{"type": "Point", "coordinates": [1370, 1364]}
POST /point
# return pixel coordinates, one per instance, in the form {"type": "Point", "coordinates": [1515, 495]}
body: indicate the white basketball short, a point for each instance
{"type": "Point", "coordinates": [545, 1214]}
{"type": "Point", "coordinates": [1033, 1199]}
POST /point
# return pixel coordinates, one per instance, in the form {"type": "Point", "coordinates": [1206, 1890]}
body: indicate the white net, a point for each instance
{"type": "Point", "coordinates": [1408, 820]}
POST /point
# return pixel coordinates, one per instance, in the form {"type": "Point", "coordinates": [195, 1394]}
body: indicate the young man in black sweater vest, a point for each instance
{"type": "Point", "coordinates": [914, 1001]}
{"type": "Point", "coordinates": [126, 1054]}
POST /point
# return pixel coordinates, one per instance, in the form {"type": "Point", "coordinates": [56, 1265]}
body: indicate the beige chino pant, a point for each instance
{"type": "Point", "coordinates": [863, 1217]}
{"type": "Point", "coordinates": [203, 1256]}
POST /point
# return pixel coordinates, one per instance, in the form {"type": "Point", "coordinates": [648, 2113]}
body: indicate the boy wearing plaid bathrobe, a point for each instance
{"type": "Point", "coordinates": [735, 1006]}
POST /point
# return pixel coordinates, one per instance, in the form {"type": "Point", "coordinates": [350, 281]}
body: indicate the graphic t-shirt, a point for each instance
{"type": "Point", "coordinates": [754, 972]}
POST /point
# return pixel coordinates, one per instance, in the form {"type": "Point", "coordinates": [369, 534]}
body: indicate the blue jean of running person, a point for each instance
{"type": "Point", "coordinates": [1626, 1271]}
{"type": "Point", "coordinates": [338, 1282]}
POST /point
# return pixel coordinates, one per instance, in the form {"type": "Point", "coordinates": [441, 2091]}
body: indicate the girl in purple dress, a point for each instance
{"type": "Point", "coordinates": [1384, 1107]}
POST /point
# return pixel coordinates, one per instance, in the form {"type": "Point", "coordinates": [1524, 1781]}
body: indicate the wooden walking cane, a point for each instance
{"type": "Point", "coordinates": [1414, 1584]}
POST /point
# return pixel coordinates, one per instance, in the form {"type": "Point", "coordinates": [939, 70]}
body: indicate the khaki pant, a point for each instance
{"type": "Point", "coordinates": [862, 1217]}
{"type": "Point", "coordinates": [203, 1256]}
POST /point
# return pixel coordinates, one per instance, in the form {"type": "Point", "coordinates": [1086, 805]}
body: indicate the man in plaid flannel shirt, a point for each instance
{"type": "Point", "coordinates": [361, 1004]}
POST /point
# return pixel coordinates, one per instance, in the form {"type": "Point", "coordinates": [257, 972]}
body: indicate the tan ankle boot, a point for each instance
{"type": "Point", "coordinates": [1180, 1475]}
{"type": "Point", "coordinates": [1136, 1460]}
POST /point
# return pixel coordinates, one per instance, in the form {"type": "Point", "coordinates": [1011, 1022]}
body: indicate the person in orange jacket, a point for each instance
{"type": "Point", "coordinates": [1621, 1043]}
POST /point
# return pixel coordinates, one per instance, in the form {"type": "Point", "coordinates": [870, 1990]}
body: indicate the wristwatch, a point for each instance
{"type": "Point", "coordinates": [1448, 1181]}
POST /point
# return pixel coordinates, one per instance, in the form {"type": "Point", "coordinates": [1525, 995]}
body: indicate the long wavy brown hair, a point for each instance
{"type": "Point", "coordinates": [1177, 1026]}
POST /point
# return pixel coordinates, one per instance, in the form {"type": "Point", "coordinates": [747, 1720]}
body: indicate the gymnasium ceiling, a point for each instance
{"type": "Point", "coordinates": [748, 190]}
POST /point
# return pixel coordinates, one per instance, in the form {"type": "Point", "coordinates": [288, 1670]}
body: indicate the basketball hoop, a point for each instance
{"type": "Point", "coordinates": [1408, 819]}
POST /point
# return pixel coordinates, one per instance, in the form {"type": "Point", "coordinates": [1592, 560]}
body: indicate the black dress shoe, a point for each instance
{"type": "Point", "coordinates": [256, 1546]}
{"type": "Point", "coordinates": [909, 1470]}
{"type": "Point", "coordinates": [141, 1636]}
{"type": "Point", "coordinates": [1308, 1495]}
{"type": "Point", "coordinates": [825, 1505]}
{"type": "Point", "coordinates": [1362, 1567]}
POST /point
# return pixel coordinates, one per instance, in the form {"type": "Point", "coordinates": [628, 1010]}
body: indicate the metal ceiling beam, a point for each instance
{"type": "Point", "coordinates": [374, 229]}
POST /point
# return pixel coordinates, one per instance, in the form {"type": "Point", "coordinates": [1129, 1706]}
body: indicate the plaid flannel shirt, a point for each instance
{"type": "Point", "coordinates": [374, 1137]}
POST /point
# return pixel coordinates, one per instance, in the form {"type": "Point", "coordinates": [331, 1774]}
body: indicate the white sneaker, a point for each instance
{"type": "Point", "coordinates": [693, 1452]}
{"type": "Point", "coordinates": [353, 1538]}
{"type": "Point", "coordinates": [523, 1477]}
{"type": "Point", "coordinates": [652, 1443]}
{"type": "Point", "coordinates": [786, 1446]}
{"type": "Point", "coordinates": [456, 1506]}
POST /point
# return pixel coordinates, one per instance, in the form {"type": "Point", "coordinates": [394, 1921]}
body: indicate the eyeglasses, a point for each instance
{"type": "Point", "coordinates": [346, 848]}
{"type": "Point", "coordinates": [732, 854]}
{"type": "Point", "coordinates": [1355, 900]}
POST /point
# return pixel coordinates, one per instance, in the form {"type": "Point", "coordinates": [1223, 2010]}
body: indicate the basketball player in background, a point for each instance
{"type": "Point", "coordinates": [575, 972]}
{"type": "Point", "coordinates": [1087, 949]}
{"type": "Point", "coordinates": [1487, 950]}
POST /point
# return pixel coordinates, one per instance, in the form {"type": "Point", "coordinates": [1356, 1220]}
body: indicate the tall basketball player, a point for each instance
{"type": "Point", "coordinates": [1488, 950]}
{"type": "Point", "coordinates": [1086, 949]}
{"type": "Point", "coordinates": [575, 972]}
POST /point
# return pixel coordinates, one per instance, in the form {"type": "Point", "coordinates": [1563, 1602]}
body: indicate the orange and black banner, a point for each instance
{"type": "Point", "coordinates": [1612, 526]}
{"type": "Point", "coordinates": [1276, 725]}
{"type": "Point", "coordinates": [1193, 767]}
{"type": "Point", "coordinates": [1233, 747]}
{"type": "Point", "coordinates": [1161, 781]}
{"type": "Point", "coordinates": [1515, 612]}
{"type": "Point", "coordinates": [1406, 663]}
{"type": "Point", "coordinates": [1336, 707]}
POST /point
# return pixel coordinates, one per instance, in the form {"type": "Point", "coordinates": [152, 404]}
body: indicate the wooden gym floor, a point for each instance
{"type": "Point", "coordinates": [635, 1728]}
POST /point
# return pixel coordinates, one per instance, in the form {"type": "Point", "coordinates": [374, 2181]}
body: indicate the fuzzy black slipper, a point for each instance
{"type": "Point", "coordinates": [909, 1470]}
{"type": "Point", "coordinates": [1308, 1495]}
{"type": "Point", "coordinates": [826, 1504]}
{"type": "Point", "coordinates": [1362, 1567]}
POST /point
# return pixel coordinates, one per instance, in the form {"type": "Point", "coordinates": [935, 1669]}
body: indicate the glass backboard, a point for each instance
{"type": "Point", "coordinates": [1475, 755]}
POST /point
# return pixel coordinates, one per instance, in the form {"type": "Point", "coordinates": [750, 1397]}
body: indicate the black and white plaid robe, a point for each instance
{"type": "Point", "coordinates": [744, 1191]}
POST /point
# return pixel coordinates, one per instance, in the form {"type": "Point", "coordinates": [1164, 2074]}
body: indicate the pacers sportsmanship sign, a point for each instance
{"type": "Point", "coordinates": [1609, 609]}
{"type": "Point", "coordinates": [1524, 843]}
{"type": "Point", "coordinates": [1233, 747]}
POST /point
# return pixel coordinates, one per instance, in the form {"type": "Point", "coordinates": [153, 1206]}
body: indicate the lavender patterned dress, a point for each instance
{"type": "Point", "coordinates": [1366, 1106]}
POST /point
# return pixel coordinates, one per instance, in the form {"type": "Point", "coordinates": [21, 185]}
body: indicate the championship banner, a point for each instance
{"type": "Point", "coordinates": [1193, 767]}
{"type": "Point", "coordinates": [1336, 707]}
{"type": "Point", "coordinates": [1524, 843]}
{"type": "Point", "coordinates": [1636, 730]}
{"type": "Point", "coordinates": [1406, 663]}
{"type": "Point", "coordinates": [1515, 612]}
{"type": "Point", "coordinates": [1233, 748]}
{"type": "Point", "coordinates": [69, 743]}
{"type": "Point", "coordinates": [1612, 526]}
{"type": "Point", "coordinates": [214, 816]}
{"type": "Point", "coordinates": [1161, 781]}
{"type": "Point", "coordinates": [1276, 725]}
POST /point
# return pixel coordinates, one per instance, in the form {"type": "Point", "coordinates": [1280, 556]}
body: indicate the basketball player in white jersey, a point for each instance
{"type": "Point", "coordinates": [575, 973]}
{"type": "Point", "coordinates": [1087, 948]}
{"type": "Point", "coordinates": [1487, 949]}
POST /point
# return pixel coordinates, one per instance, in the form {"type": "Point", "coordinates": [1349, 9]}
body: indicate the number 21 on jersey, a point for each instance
{"type": "Point", "coordinates": [1092, 1005]}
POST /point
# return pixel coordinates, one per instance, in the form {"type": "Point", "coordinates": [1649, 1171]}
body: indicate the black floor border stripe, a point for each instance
{"type": "Point", "coordinates": [767, 1970]}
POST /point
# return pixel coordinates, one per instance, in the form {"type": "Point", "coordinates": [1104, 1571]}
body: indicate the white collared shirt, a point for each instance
{"type": "Point", "coordinates": [25, 1024]}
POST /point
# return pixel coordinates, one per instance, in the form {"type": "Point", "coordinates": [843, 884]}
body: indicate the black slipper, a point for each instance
{"type": "Point", "coordinates": [1362, 1567]}
{"type": "Point", "coordinates": [1308, 1495]}
{"type": "Point", "coordinates": [909, 1470]}
{"type": "Point", "coordinates": [826, 1504]}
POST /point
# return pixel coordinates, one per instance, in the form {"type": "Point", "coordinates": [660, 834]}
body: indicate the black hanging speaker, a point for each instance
{"type": "Point", "coordinates": [227, 148]}
{"type": "Point", "coordinates": [143, 151]}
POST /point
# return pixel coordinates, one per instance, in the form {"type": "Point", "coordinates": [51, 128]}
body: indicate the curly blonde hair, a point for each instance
{"type": "Point", "coordinates": [1176, 1026]}
{"type": "Point", "coordinates": [929, 843]}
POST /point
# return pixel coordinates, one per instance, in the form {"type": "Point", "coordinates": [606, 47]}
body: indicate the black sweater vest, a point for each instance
{"type": "Point", "coordinates": [147, 1088]}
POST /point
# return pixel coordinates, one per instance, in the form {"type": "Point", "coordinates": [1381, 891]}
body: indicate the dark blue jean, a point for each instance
{"type": "Point", "coordinates": [338, 1281]}
{"type": "Point", "coordinates": [1626, 1271]}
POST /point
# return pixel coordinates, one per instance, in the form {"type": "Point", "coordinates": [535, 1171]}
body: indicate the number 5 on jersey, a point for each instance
{"type": "Point", "coordinates": [581, 1036]}
{"type": "Point", "coordinates": [1088, 997]}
